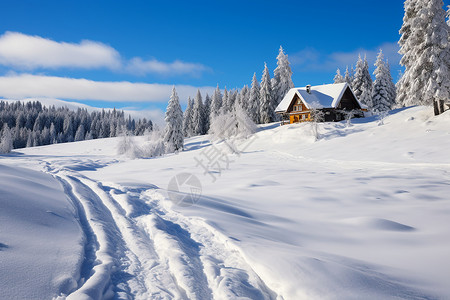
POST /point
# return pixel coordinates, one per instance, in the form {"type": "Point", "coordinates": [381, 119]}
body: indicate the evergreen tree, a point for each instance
{"type": "Point", "coordinates": [6, 142]}
{"type": "Point", "coordinates": [207, 112]}
{"type": "Point", "coordinates": [88, 136]}
{"type": "Point", "coordinates": [244, 96]}
{"type": "Point", "coordinates": [216, 104]}
{"type": "Point", "coordinates": [198, 119]}
{"type": "Point", "coordinates": [173, 135]}
{"type": "Point", "coordinates": [348, 78]}
{"type": "Point", "coordinates": [391, 86]}
{"type": "Point", "coordinates": [362, 82]}
{"type": "Point", "coordinates": [52, 134]}
{"type": "Point", "coordinates": [424, 44]}
{"type": "Point", "coordinates": [187, 119]}
{"type": "Point", "coordinates": [45, 136]}
{"type": "Point", "coordinates": [232, 96]}
{"type": "Point", "coordinates": [79, 135]}
{"type": "Point", "coordinates": [282, 79]}
{"type": "Point", "coordinates": [338, 77]}
{"type": "Point", "coordinates": [381, 97]}
{"type": "Point", "coordinates": [68, 128]}
{"type": "Point", "coordinates": [112, 128]}
{"type": "Point", "coordinates": [266, 109]}
{"type": "Point", "coordinates": [30, 140]}
{"type": "Point", "coordinates": [253, 101]}
{"type": "Point", "coordinates": [225, 102]}
{"type": "Point", "coordinates": [35, 137]}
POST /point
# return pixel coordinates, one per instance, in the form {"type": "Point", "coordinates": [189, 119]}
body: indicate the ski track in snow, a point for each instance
{"type": "Point", "coordinates": [136, 248]}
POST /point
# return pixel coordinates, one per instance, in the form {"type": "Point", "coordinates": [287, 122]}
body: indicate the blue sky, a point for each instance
{"type": "Point", "coordinates": [144, 47]}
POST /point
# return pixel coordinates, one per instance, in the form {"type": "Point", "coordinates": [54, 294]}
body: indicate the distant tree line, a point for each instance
{"type": "Point", "coordinates": [29, 124]}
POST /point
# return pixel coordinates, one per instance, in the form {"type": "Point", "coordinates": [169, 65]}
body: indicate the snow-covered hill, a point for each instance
{"type": "Point", "coordinates": [361, 213]}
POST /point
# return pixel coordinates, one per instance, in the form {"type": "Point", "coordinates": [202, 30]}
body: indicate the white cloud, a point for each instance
{"type": "Point", "coordinates": [141, 67]}
{"type": "Point", "coordinates": [312, 60]}
{"type": "Point", "coordinates": [21, 51]}
{"type": "Point", "coordinates": [30, 52]}
{"type": "Point", "coordinates": [28, 85]}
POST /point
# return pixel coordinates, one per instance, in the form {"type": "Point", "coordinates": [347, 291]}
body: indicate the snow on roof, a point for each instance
{"type": "Point", "coordinates": [321, 96]}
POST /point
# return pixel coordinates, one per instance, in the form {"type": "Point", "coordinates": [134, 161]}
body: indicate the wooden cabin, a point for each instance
{"type": "Point", "coordinates": [334, 100]}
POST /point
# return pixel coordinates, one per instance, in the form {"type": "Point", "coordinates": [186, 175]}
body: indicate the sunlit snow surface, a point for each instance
{"type": "Point", "coordinates": [361, 213]}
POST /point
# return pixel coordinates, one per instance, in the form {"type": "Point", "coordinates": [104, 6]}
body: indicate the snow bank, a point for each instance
{"type": "Point", "coordinates": [41, 243]}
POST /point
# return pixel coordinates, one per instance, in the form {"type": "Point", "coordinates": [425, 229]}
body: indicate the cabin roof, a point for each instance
{"type": "Point", "coordinates": [321, 96]}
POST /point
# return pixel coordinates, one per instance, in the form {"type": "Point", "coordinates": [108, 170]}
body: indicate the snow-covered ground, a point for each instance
{"type": "Point", "coordinates": [361, 213]}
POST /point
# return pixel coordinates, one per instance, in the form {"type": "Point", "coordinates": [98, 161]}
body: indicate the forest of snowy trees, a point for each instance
{"type": "Point", "coordinates": [247, 106]}
{"type": "Point", "coordinates": [258, 102]}
{"type": "Point", "coordinates": [29, 124]}
{"type": "Point", "coordinates": [425, 49]}
{"type": "Point", "coordinates": [378, 95]}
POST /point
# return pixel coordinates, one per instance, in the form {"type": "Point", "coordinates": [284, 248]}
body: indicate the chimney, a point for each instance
{"type": "Point", "coordinates": [308, 89]}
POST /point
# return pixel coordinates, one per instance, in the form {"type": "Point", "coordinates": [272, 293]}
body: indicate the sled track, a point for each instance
{"type": "Point", "coordinates": [136, 248]}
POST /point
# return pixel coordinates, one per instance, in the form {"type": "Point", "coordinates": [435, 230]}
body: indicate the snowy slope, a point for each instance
{"type": "Point", "coordinates": [362, 213]}
{"type": "Point", "coordinates": [41, 242]}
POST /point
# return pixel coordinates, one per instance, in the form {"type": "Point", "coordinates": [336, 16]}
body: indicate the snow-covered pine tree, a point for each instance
{"type": "Point", "coordinates": [68, 128]}
{"type": "Point", "coordinates": [216, 104]}
{"type": "Point", "coordinates": [338, 78]}
{"type": "Point", "coordinates": [225, 102]}
{"type": "Point", "coordinates": [52, 134]}
{"type": "Point", "coordinates": [237, 100]}
{"type": "Point", "coordinates": [6, 142]}
{"type": "Point", "coordinates": [30, 140]}
{"type": "Point", "coordinates": [79, 135]}
{"type": "Point", "coordinates": [207, 112]}
{"type": "Point", "coordinates": [266, 109]}
{"type": "Point", "coordinates": [232, 96]}
{"type": "Point", "coordinates": [187, 119]}
{"type": "Point", "coordinates": [381, 97]}
{"type": "Point", "coordinates": [253, 101]}
{"type": "Point", "coordinates": [198, 118]}
{"type": "Point", "coordinates": [282, 78]}
{"type": "Point", "coordinates": [348, 77]}
{"type": "Point", "coordinates": [173, 134]}
{"type": "Point", "coordinates": [424, 44]}
{"type": "Point", "coordinates": [362, 82]}
{"type": "Point", "coordinates": [244, 95]}
{"type": "Point", "coordinates": [45, 136]}
{"type": "Point", "coordinates": [391, 87]}
{"type": "Point", "coordinates": [36, 138]}
{"type": "Point", "coordinates": [88, 136]}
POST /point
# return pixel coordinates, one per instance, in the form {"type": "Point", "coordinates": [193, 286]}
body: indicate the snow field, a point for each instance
{"type": "Point", "coordinates": [360, 213]}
